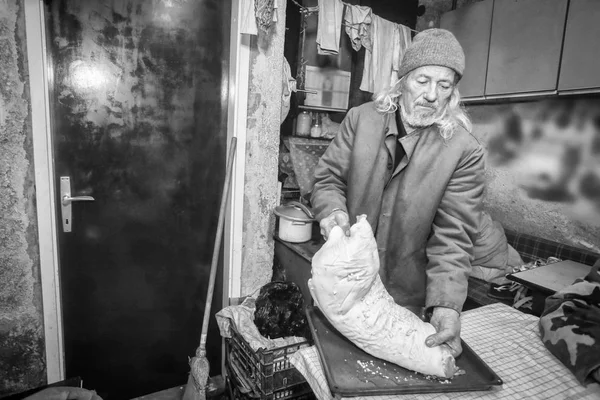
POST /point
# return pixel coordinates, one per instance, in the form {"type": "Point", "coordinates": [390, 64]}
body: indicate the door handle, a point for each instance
{"type": "Point", "coordinates": [66, 200]}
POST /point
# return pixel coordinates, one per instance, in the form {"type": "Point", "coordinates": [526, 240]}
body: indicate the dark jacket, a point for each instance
{"type": "Point", "coordinates": [426, 214]}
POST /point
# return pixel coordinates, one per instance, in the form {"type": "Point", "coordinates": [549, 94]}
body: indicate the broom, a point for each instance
{"type": "Point", "coordinates": [198, 378]}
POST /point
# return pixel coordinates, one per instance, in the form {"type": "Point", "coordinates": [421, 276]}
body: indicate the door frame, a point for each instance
{"type": "Point", "coordinates": [44, 170]}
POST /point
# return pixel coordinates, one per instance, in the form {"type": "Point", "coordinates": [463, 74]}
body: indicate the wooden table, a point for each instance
{"type": "Point", "coordinates": [546, 280]}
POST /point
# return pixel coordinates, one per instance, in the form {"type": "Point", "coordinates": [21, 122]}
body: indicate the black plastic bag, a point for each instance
{"type": "Point", "coordinates": [280, 311]}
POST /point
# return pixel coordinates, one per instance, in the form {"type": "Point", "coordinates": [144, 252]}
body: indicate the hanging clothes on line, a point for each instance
{"type": "Point", "coordinates": [329, 26]}
{"type": "Point", "coordinates": [357, 21]}
{"type": "Point", "coordinates": [400, 45]}
{"type": "Point", "coordinates": [386, 47]}
{"type": "Point", "coordinates": [384, 41]}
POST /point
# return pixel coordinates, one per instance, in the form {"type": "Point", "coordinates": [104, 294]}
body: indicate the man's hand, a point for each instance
{"type": "Point", "coordinates": [337, 218]}
{"type": "Point", "coordinates": [446, 322]}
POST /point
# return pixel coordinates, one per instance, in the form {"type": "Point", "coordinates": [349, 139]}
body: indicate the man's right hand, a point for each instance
{"type": "Point", "coordinates": [337, 218]}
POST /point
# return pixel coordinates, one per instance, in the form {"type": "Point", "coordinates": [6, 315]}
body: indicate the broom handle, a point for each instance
{"type": "Point", "coordinates": [217, 248]}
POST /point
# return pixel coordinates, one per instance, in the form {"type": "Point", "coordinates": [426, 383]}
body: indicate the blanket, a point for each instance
{"type": "Point", "coordinates": [570, 326]}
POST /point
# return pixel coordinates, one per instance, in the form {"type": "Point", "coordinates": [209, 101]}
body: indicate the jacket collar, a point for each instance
{"type": "Point", "coordinates": [409, 141]}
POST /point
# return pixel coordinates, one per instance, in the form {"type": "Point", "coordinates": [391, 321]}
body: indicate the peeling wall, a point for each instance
{"type": "Point", "coordinates": [22, 353]}
{"type": "Point", "coordinates": [543, 173]}
{"type": "Point", "coordinates": [262, 152]}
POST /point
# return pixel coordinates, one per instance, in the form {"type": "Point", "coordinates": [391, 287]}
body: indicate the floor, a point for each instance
{"type": "Point", "coordinates": [175, 393]}
{"type": "Point", "coordinates": [215, 391]}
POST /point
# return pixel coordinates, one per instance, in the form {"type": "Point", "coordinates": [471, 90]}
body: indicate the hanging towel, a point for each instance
{"type": "Point", "coordinates": [377, 72]}
{"type": "Point", "coordinates": [248, 18]}
{"type": "Point", "coordinates": [265, 13]}
{"type": "Point", "coordinates": [401, 41]}
{"type": "Point", "coordinates": [357, 21]}
{"type": "Point", "coordinates": [289, 86]}
{"type": "Point", "coordinates": [329, 26]}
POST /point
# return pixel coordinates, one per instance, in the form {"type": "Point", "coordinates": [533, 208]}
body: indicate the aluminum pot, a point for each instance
{"type": "Point", "coordinates": [295, 222]}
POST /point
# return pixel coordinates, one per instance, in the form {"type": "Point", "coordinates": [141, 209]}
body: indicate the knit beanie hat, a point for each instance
{"type": "Point", "coordinates": [433, 47]}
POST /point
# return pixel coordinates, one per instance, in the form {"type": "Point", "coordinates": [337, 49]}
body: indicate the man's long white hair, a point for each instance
{"type": "Point", "coordinates": [386, 101]}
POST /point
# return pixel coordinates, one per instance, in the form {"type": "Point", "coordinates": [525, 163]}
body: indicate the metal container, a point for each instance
{"type": "Point", "coordinates": [351, 372]}
{"type": "Point", "coordinates": [295, 222]}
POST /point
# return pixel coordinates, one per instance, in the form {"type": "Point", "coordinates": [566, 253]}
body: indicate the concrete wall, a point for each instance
{"type": "Point", "coordinates": [262, 153]}
{"type": "Point", "coordinates": [22, 354]}
{"type": "Point", "coordinates": [543, 174]}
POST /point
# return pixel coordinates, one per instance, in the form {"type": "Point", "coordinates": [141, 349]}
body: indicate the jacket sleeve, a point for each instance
{"type": "Point", "coordinates": [331, 173]}
{"type": "Point", "coordinates": [454, 230]}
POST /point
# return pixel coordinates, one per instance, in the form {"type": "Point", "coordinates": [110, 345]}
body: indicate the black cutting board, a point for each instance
{"type": "Point", "coordinates": [352, 372]}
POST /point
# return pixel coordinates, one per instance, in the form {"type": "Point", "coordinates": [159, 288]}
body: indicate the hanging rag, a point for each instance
{"type": "Point", "coordinates": [402, 40]}
{"type": "Point", "coordinates": [377, 72]}
{"type": "Point", "coordinates": [357, 21]}
{"type": "Point", "coordinates": [329, 26]}
{"type": "Point", "coordinates": [265, 13]}
{"type": "Point", "coordinates": [289, 86]}
{"type": "Point", "coordinates": [248, 20]}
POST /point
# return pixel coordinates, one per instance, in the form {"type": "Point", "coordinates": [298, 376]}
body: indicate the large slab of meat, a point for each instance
{"type": "Point", "coordinates": [346, 286]}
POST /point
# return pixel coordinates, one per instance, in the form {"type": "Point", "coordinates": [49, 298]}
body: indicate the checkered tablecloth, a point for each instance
{"type": "Point", "coordinates": [508, 341]}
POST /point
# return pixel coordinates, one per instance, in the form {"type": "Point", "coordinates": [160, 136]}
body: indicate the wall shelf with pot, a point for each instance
{"type": "Point", "coordinates": [295, 222]}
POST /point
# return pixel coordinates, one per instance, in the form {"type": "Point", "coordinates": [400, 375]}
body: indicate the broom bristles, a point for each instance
{"type": "Point", "coordinates": [198, 379]}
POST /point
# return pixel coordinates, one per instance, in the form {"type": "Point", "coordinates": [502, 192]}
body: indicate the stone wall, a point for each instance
{"type": "Point", "coordinates": [262, 153]}
{"type": "Point", "coordinates": [22, 354]}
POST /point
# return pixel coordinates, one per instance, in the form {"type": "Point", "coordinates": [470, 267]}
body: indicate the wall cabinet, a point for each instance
{"type": "Point", "coordinates": [580, 64]}
{"type": "Point", "coordinates": [525, 46]}
{"type": "Point", "coordinates": [472, 25]}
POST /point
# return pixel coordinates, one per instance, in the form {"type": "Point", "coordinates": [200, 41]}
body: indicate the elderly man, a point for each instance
{"type": "Point", "coordinates": [409, 162]}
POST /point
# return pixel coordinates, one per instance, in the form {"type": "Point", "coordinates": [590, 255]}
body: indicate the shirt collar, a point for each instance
{"type": "Point", "coordinates": [396, 128]}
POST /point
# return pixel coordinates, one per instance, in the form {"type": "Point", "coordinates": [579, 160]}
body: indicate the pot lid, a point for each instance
{"type": "Point", "coordinates": [295, 211]}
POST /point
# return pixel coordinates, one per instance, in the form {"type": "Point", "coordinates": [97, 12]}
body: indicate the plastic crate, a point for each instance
{"type": "Point", "coordinates": [269, 370]}
{"type": "Point", "coordinates": [236, 390]}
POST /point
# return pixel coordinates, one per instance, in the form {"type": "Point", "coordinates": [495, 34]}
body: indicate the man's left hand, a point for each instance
{"type": "Point", "coordinates": [446, 322]}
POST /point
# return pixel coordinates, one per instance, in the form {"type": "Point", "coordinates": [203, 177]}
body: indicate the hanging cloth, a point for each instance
{"type": "Point", "coordinates": [248, 20]}
{"type": "Point", "coordinates": [377, 70]}
{"type": "Point", "coordinates": [289, 86]}
{"type": "Point", "coordinates": [357, 21]}
{"type": "Point", "coordinates": [402, 41]}
{"type": "Point", "coordinates": [265, 13]}
{"type": "Point", "coordinates": [388, 43]}
{"type": "Point", "coordinates": [329, 26]}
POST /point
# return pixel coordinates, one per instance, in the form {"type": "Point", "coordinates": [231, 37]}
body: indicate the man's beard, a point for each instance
{"type": "Point", "coordinates": [421, 119]}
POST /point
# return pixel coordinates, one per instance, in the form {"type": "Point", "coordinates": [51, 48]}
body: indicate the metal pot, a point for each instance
{"type": "Point", "coordinates": [295, 222]}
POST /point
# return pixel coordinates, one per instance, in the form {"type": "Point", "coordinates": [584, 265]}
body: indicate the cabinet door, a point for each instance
{"type": "Point", "coordinates": [525, 46]}
{"type": "Point", "coordinates": [472, 26]}
{"type": "Point", "coordinates": [580, 66]}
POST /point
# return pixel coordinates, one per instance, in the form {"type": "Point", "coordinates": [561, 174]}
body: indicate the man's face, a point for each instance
{"type": "Point", "coordinates": [425, 95]}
